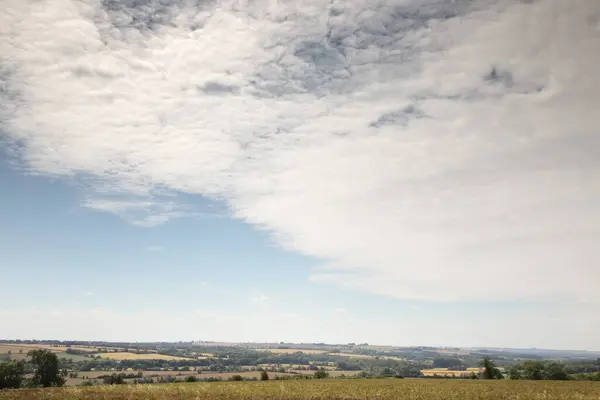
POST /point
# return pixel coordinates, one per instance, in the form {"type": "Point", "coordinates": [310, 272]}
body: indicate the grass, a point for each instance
{"type": "Point", "coordinates": [134, 356]}
{"type": "Point", "coordinates": [292, 351]}
{"type": "Point", "coordinates": [357, 355]}
{"type": "Point", "coordinates": [446, 372]}
{"type": "Point", "coordinates": [408, 389]}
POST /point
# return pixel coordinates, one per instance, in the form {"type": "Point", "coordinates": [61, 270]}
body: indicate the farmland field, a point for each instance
{"type": "Point", "coordinates": [409, 389]}
{"type": "Point", "coordinates": [366, 356]}
{"type": "Point", "coordinates": [446, 372]}
{"type": "Point", "coordinates": [135, 356]}
{"type": "Point", "coordinates": [292, 351]}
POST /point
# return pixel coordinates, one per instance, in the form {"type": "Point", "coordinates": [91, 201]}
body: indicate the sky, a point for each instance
{"type": "Point", "coordinates": [406, 172]}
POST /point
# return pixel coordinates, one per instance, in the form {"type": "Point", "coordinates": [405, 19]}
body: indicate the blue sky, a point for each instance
{"type": "Point", "coordinates": [65, 262]}
{"type": "Point", "coordinates": [412, 173]}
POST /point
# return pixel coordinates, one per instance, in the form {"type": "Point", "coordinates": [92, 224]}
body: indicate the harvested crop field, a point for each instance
{"type": "Point", "coordinates": [446, 372]}
{"type": "Point", "coordinates": [135, 356]}
{"type": "Point", "coordinates": [408, 389]}
{"type": "Point", "coordinates": [292, 351]}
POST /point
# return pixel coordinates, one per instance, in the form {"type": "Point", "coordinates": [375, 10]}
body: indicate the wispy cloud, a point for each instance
{"type": "Point", "coordinates": [432, 150]}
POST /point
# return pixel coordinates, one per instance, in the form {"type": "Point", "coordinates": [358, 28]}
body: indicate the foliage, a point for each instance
{"type": "Point", "coordinates": [446, 362]}
{"type": "Point", "coordinates": [489, 370]}
{"type": "Point", "coordinates": [114, 379]}
{"type": "Point", "coordinates": [264, 376]}
{"type": "Point", "coordinates": [321, 374]}
{"type": "Point", "coordinates": [538, 370]}
{"type": "Point", "coordinates": [11, 374]}
{"type": "Point", "coordinates": [46, 369]}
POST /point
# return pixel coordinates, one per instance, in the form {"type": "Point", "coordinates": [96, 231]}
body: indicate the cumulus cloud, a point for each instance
{"type": "Point", "coordinates": [427, 149]}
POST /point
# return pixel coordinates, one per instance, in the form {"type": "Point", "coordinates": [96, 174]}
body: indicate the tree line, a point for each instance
{"type": "Point", "coordinates": [43, 364]}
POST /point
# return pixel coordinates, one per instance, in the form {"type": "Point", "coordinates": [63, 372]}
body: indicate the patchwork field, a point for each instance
{"type": "Point", "coordinates": [135, 356]}
{"type": "Point", "coordinates": [388, 389]}
{"type": "Point", "coordinates": [365, 356]}
{"type": "Point", "coordinates": [292, 351]}
{"type": "Point", "coordinates": [16, 352]}
{"type": "Point", "coordinates": [445, 372]}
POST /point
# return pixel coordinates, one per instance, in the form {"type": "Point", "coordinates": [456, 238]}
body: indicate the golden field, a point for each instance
{"type": "Point", "coordinates": [446, 372]}
{"type": "Point", "coordinates": [135, 356]}
{"type": "Point", "coordinates": [359, 389]}
{"type": "Point", "coordinates": [292, 351]}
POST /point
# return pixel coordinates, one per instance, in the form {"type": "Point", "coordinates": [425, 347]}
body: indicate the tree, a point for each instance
{"type": "Point", "coordinates": [556, 372]}
{"type": "Point", "coordinates": [264, 376]}
{"type": "Point", "coordinates": [46, 369]}
{"type": "Point", "coordinates": [321, 374]}
{"type": "Point", "coordinates": [489, 370]}
{"type": "Point", "coordinates": [515, 372]}
{"type": "Point", "coordinates": [533, 370]}
{"type": "Point", "coordinates": [191, 378]}
{"type": "Point", "coordinates": [11, 374]}
{"type": "Point", "coordinates": [446, 362]}
{"type": "Point", "coordinates": [114, 379]}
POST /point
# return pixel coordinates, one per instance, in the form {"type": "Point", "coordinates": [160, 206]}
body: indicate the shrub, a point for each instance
{"type": "Point", "coordinates": [11, 374]}
{"type": "Point", "coordinates": [321, 374]}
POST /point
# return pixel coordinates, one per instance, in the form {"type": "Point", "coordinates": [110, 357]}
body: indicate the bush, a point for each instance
{"type": "Point", "coordinates": [191, 378]}
{"type": "Point", "coordinates": [114, 379]}
{"type": "Point", "coordinates": [264, 376]}
{"type": "Point", "coordinates": [11, 374]}
{"type": "Point", "coordinates": [321, 374]}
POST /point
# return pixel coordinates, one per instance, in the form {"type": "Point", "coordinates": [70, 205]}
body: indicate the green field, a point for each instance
{"type": "Point", "coordinates": [383, 389]}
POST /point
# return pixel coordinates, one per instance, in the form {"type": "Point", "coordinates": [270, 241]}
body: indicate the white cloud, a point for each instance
{"type": "Point", "coordinates": [428, 157]}
{"type": "Point", "coordinates": [340, 310]}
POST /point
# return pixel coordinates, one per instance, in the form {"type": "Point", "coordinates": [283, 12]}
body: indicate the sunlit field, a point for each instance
{"type": "Point", "coordinates": [409, 389]}
{"type": "Point", "coordinates": [134, 356]}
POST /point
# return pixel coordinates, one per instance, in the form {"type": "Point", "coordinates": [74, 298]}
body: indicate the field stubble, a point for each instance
{"type": "Point", "coordinates": [409, 389]}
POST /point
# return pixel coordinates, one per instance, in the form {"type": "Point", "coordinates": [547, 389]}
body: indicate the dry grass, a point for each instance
{"type": "Point", "coordinates": [17, 352]}
{"type": "Point", "coordinates": [291, 351]}
{"type": "Point", "coordinates": [446, 372]}
{"type": "Point", "coordinates": [27, 347]}
{"type": "Point", "coordinates": [134, 356]}
{"type": "Point", "coordinates": [408, 389]}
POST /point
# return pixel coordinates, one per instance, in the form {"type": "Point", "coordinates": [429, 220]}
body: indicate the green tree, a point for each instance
{"type": "Point", "coordinates": [11, 374]}
{"type": "Point", "coordinates": [489, 370]}
{"type": "Point", "coordinates": [321, 374]}
{"type": "Point", "coordinates": [46, 369]}
{"type": "Point", "coordinates": [264, 376]}
{"type": "Point", "coordinates": [533, 370]}
{"type": "Point", "coordinates": [556, 372]}
{"type": "Point", "coordinates": [114, 379]}
{"type": "Point", "coordinates": [515, 372]}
